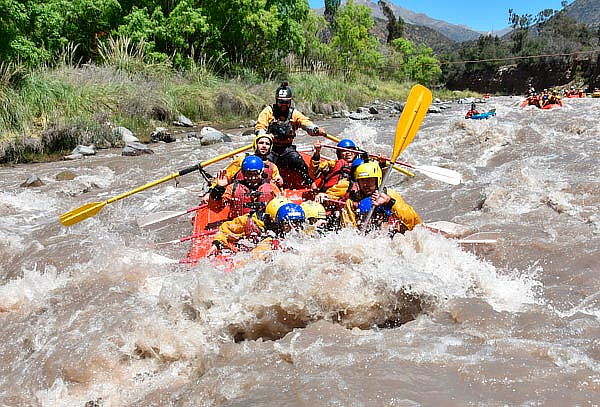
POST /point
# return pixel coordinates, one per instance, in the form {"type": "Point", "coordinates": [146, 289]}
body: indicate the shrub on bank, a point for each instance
{"type": "Point", "coordinates": [51, 110]}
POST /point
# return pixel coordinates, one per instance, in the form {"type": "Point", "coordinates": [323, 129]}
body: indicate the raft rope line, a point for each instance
{"type": "Point", "coordinates": [389, 67]}
{"type": "Point", "coordinates": [522, 57]}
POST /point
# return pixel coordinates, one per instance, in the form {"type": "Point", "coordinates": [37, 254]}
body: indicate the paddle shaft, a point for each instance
{"type": "Point", "coordinates": [370, 155]}
{"type": "Point", "coordinates": [88, 210]}
{"type": "Point", "coordinates": [402, 170]}
{"type": "Point", "coordinates": [185, 171]}
{"type": "Point", "coordinates": [441, 174]}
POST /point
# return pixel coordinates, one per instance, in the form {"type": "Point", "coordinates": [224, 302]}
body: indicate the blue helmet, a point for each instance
{"type": "Point", "coordinates": [345, 143]}
{"type": "Point", "coordinates": [290, 212]}
{"type": "Point", "coordinates": [357, 161]}
{"type": "Point", "coordinates": [252, 163]}
{"type": "Point", "coordinates": [365, 205]}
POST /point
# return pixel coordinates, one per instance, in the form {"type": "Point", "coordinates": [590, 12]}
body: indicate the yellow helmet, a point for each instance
{"type": "Point", "coordinates": [274, 205]}
{"type": "Point", "coordinates": [258, 137]}
{"type": "Point", "coordinates": [313, 209]}
{"type": "Point", "coordinates": [370, 169]}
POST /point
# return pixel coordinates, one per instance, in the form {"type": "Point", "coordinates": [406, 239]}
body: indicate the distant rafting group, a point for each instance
{"type": "Point", "coordinates": [551, 98]}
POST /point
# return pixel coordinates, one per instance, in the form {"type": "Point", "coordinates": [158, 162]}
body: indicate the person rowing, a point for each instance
{"type": "Point", "coordinates": [471, 111]}
{"type": "Point", "coordinates": [248, 192]}
{"type": "Point", "coordinates": [282, 120]}
{"type": "Point", "coordinates": [368, 177]}
{"type": "Point", "coordinates": [259, 230]}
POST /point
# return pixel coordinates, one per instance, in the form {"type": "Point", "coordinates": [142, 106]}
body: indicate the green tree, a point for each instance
{"type": "Point", "coordinates": [14, 40]}
{"type": "Point", "coordinates": [331, 9]}
{"type": "Point", "coordinates": [354, 48]}
{"type": "Point", "coordinates": [55, 23]}
{"type": "Point", "coordinates": [244, 31]}
{"type": "Point", "coordinates": [520, 25]}
{"type": "Point", "coordinates": [395, 26]}
{"type": "Point", "coordinates": [415, 63]}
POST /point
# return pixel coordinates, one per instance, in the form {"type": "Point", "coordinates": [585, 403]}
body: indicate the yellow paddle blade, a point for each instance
{"type": "Point", "coordinates": [89, 210]}
{"type": "Point", "coordinates": [413, 113]}
{"type": "Point", "coordinates": [83, 212]}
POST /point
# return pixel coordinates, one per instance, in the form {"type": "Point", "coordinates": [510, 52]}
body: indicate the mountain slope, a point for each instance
{"type": "Point", "coordinates": [454, 32]}
{"type": "Point", "coordinates": [585, 11]}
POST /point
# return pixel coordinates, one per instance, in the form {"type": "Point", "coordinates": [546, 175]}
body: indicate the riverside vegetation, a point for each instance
{"type": "Point", "coordinates": [71, 71]}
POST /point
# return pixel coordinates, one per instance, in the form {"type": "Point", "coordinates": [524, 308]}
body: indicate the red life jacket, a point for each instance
{"type": "Point", "coordinates": [267, 170]}
{"type": "Point", "coordinates": [241, 196]}
{"type": "Point", "coordinates": [340, 170]}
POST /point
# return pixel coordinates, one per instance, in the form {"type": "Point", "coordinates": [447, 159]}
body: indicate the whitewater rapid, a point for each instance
{"type": "Point", "coordinates": [102, 314]}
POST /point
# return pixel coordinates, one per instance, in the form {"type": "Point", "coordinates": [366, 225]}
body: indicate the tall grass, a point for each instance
{"type": "Point", "coordinates": [56, 107]}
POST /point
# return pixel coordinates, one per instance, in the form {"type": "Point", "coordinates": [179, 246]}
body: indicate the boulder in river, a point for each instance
{"type": "Point", "coordinates": [65, 176]}
{"type": "Point", "coordinates": [360, 116]}
{"type": "Point", "coordinates": [210, 136]}
{"type": "Point", "coordinates": [32, 181]}
{"type": "Point", "coordinates": [134, 149]}
{"type": "Point", "coordinates": [84, 150]}
{"type": "Point", "coordinates": [162, 134]}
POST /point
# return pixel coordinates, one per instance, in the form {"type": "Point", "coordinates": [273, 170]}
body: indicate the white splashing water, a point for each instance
{"type": "Point", "coordinates": [31, 290]}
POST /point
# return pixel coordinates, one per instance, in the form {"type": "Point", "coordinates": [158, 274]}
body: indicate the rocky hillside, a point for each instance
{"type": "Point", "coordinates": [417, 34]}
{"type": "Point", "coordinates": [454, 32]}
{"type": "Point", "coordinates": [585, 11]}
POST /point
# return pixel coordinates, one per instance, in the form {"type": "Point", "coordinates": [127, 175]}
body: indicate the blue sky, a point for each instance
{"type": "Point", "coordinates": [479, 15]}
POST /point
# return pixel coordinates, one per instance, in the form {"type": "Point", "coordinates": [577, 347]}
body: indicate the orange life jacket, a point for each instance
{"type": "Point", "coordinates": [242, 196]}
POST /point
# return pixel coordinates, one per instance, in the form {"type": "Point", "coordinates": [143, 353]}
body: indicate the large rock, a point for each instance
{"type": "Point", "coordinates": [162, 134]}
{"type": "Point", "coordinates": [210, 136]}
{"type": "Point", "coordinates": [84, 150]}
{"type": "Point", "coordinates": [126, 134]}
{"type": "Point", "coordinates": [323, 108]}
{"type": "Point", "coordinates": [181, 120]}
{"type": "Point", "coordinates": [134, 149]}
{"type": "Point", "coordinates": [32, 181]}
{"type": "Point", "coordinates": [65, 176]}
{"type": "Point", "coordinates": [434, 109]}
{"type": "Point", "coordinates": [360, 116]}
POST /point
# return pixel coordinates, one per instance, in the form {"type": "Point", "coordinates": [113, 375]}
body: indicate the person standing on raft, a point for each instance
{"type": "Point", "coordinates": [282, 120]}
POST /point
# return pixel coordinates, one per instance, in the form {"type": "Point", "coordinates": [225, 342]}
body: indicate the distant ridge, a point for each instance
{"type": "Point", "coordinates": [458, 33]}
{"type": "Point", "coordinates": [585, 11]}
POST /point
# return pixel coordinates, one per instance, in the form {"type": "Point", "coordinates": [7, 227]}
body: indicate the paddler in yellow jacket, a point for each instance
{"type": "Point", "coordinates": [282, 121]}
{"type": "Point", "coordinates": [259, 231]}
{"type": "Point", "coordinates": [368, 177]}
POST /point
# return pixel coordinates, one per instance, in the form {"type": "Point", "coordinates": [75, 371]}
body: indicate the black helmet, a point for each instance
{"type": "Point", "coordinates": [283, 94]}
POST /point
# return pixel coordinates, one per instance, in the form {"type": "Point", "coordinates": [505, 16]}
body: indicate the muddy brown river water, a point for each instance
{"type": "Point", "coordinates": [101, 314]}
